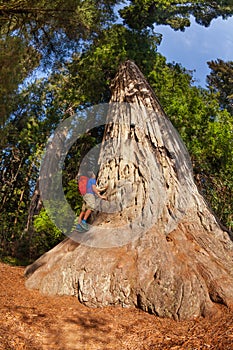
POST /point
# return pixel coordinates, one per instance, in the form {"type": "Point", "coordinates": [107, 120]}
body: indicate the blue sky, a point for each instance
{"type": "Point", "coordinates": [197, 45]}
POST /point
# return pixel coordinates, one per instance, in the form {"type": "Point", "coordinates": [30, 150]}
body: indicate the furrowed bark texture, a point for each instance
{"type": "Point", "coordinates": [162, 248]}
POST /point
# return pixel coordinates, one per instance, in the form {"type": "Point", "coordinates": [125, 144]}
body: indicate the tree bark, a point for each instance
{"type": "Point", "coordinates": [162, 248]}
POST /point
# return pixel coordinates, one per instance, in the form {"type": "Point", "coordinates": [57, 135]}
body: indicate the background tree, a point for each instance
{"type": "Point", "coordinates": [139, 14]}
{"type": "Point", "coordinates": [206, 129]}
{"type": "Point", "coordinates": [56, 28]}
{"type": "Point", "coordinates": [220, 81]}
{"type": "Point", "coordinates": [17, 61]}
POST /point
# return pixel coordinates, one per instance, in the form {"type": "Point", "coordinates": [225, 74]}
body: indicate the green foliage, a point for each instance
{"type": "Point", "coordinates": [92, 72]}
{"type": "Point", "coordinates": [44, 225]}
{"type": "Point", "coordinates": [55, 28]}
{"type": "Point", "coordinates": [22, 141]}
{"type": "Point", "coordinates": [206, 130]}
{"type": "Point", "coordinates": [10, 260]}
{"type": "Point", "coordinates": [139, 14]}
{"type": "Point", "coordinates": [17, 60]}
{"type": "Point", "coordinates": [44, 236]}
{"type": "Point", "coordinates": [73, 196]}
{"type": "Point", "coordinates": [220, 81]}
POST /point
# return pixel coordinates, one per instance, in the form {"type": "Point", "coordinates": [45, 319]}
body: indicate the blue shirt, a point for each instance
{"type": "Point", "coordinates": [89, 185]}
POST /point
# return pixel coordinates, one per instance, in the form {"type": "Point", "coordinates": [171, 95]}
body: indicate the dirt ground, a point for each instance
{"type": "Point", "coordinates": [29, 320]}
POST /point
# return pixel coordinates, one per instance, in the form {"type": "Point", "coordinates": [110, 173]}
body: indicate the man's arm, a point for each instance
{"type": "Point", "coordinates": [97, 192]}
{"type": "Point", "coordinates": [101, 189]}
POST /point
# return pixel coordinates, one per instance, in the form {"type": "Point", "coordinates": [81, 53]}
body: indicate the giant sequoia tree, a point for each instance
{"type": "Point", "coordinates": [162, 248]}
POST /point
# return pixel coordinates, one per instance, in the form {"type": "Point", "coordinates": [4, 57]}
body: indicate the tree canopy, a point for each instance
{"type": "Point", "coordinates": [220, 81]}
{"type": "Point", "coordinates": [139, 14]}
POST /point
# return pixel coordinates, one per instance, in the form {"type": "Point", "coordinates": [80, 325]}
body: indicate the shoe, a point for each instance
{"type": "Point", "coordinates": [84, 226]}
{"type": "Point", "coordinates": [79, 228]}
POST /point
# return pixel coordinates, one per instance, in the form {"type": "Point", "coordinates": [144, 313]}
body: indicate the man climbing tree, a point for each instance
{"type": "Point", "coordinates": [89, 201]}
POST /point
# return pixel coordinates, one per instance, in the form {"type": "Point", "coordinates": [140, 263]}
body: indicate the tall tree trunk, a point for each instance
{"type": "Point", "coordinates": [35, 205]}
{"type": "Point", "coordinates": [163, 249]}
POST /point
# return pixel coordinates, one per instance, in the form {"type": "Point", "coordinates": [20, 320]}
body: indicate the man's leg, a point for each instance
{"type": "Point", "coordinates": [84, 223]}
{"type": "Point", "coordinates": [90, 206]}
{"type": "Point", "coordinates": [81, 215]}
{"type": "Point", "coordinates": [87, 214]}
{"type": "Point", "coordinates": [83, 211]}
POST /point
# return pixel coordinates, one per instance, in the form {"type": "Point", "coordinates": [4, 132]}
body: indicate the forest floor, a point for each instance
{"type": "Point", "coordinates": [29, 320]}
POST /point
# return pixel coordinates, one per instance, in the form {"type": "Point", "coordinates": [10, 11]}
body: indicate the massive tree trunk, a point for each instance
{"type": "Point", "coordinates": [162, 248]}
